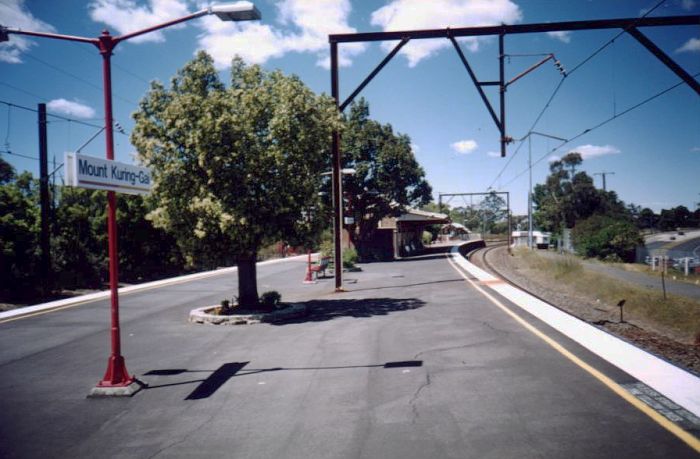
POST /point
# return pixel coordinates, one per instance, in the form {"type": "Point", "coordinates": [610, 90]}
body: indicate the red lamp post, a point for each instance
{"type": "Point", "coordinates": [117, 380]}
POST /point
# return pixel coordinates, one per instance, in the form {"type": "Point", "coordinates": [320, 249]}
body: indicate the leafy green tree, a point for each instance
{"type": "Point", "coordinates": [568, 197]}
{"type": "Point", "coordinates": [234, 168]}
{"type": "Point", "coordinates": [387, 176]}
{"type": "Point", "coordinates": [493, 209]}
{"type": "Point", "coordinates": [647, 219]}
{"type": "Point", "coordinates": [607, 238]}
{"type": "Point", "coordinates": [145, 252]}
{"type": "Point", "coordinates": [79, 239]}
{"type": "Point", "coordinates": [19, 234]}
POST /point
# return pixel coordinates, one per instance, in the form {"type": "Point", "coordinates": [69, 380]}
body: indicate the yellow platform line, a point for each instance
{"type": "Point", "coordinates": [684, 436]}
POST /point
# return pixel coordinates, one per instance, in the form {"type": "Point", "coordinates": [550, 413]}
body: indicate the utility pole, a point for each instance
{"type": "Point", "coordinates": [603, 174]}
{"type": "Point", "coordinates": [45, 242]}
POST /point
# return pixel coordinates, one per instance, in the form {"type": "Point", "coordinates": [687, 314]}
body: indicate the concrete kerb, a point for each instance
{"type": "Point", "coordinates": [16, 313]}
{"type": "Point", "coordinates": [204, 316]}
{"type": "Point", "coordinates": [674, 383]}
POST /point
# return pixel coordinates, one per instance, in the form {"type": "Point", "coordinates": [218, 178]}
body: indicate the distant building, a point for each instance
{"type": "Point", "coordinates": [403, 235]}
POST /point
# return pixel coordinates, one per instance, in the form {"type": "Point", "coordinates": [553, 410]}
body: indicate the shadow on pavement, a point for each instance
{"type": "Point", "coordinates": [221, 375]}
{"type": "Point", "coordinates": [321, 310]}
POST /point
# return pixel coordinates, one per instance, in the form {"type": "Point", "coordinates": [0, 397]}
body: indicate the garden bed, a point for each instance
{"type": "Point", "coordinates": [211, 315]}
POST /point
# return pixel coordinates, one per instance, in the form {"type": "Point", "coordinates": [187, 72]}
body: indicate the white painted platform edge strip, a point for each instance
{"type": "Point", "coordinates": [134, 288]}
{"type": "Point", "coordinates": [674, 383]}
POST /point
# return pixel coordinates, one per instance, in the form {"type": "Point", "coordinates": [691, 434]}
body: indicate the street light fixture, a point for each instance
{"type": "Point", "coordinates": [117, 380]}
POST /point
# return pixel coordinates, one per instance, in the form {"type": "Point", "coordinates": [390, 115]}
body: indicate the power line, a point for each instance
{"type": "Point", "coordinates": [41, 98]}
{"type": "Point", "coordinates": [8, 152]}
{"type": "Point", "coordinates": [82, 80]}
{"type": "Point", "coordinates": [55, 116]}
{"type": "Point", "coordinates": [561, 82]}
{"type": "Point", "coordinates": [114, 64]}
{"type": "Point", "coordinates": [601, 124]}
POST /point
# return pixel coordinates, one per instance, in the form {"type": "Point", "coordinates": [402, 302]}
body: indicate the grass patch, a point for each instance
{"type": "Point", "coordinates": [677, 313]}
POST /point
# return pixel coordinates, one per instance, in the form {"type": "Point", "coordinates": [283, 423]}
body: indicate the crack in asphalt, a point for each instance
{"type": "Point", "coordinates": [416, 394]}
{"type": "Point", "coordinates": [451, 348]}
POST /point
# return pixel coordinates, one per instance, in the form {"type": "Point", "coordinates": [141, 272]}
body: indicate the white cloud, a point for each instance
{"type": "Point", "coordinates": [494, 154]}
{"type": "Point", "coordinates": [592, 151]}
{"type": "Point", "coordinates": [127, 16]}
{"type": "Point", "coordinates": [553, 158]}
{"type": "Point", "coordinates": [415, 148]}
{"type": "Point", "coordinates": [437, 14]}
{"type": "Point", "coordinates": [15, 15]}
{"type": "Point", "coordinates": [464, 147]}
{"type": "Point", "coordinates": [304, 26]}
{"type": "Point", "coordinates": [71, 108]}
{"type": "Point", "coordinates": [690, 46]}
{"type": "Point", "coordinates": [688, 5]}
{"type": "Point", "coordinates": [694, 149]}
{"type": "Point", "coordinates": [562, 35]}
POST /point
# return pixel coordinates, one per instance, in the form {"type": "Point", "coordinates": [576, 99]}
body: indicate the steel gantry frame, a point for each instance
{"type": "Point", "coordinates": [629, 25]}
{"type": "Point", "coordinates": [486, 193]}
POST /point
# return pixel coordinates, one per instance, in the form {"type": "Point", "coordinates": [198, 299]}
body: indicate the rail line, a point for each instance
{"type": "Point", "coordinates": [482, 259]}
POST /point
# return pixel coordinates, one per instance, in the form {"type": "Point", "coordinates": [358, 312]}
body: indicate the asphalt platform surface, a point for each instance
{"type": "Point", "coordinates": [411, 362]}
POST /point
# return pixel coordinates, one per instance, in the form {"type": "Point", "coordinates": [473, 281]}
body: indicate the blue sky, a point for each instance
{"type": "Point", "coordinates": [654, 150]}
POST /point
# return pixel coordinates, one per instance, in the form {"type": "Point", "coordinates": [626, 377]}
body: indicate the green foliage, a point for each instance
{"type": "Point", "coordinates": [79, 239]}
{"type": "Point", "coordinates": [606, 238]}
{"type": "Point", "coordinates": [326, 248]}
{"type": "Point", "coordinates": [568, 197]}
{"type": "Point", "coordinates": [492, 209]}
{"type": "Point", "coordinates": [387, 176]}
{"type": "Point", "coordinates": [225, 308]}
{"type": "Point", "coordinates": [271, 300]}
{"type": "Point", "coordinates": [350, 257]}
{"type": "Point", "coordinates": [234, 168]}
{"type": "Point", "coordinates": [427, 237]}
{"type": "Point", "coordinates": [19, 234]}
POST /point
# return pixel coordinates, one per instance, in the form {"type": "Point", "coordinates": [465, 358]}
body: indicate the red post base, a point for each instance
{"type": "Point", "coordinates": [116, 374]}
{"type": "Point", "coordinates": [309, 279]}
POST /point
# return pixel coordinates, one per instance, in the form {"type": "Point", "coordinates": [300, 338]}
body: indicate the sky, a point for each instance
{"type": "Point", "coordinates": [651, 153]}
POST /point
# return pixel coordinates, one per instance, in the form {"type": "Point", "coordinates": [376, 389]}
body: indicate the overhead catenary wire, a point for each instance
{"type": "Point", "coordinates": [8, 152]}
{"type": "Point", "coordinates": [64, 118]}
{"type": "Point", "coordinates": [76, 77]}
{"type": "Point", "coordinates": [599, 125]}
{"type": "Point", "coordinates": [561, 82]}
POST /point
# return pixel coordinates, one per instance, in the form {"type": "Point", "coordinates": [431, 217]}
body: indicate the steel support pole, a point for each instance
{"type": "Point", "coordinates": [502, 91]}
{"type": "Point", "coordinates": [510, 224]}
{"type": "Point", "coordinates": [116, 374]}
{"type": "Point", "coordinates": [529, 193]}
{"type": "Point", "coordinates": [45, 241]}
{"type": "Point", "coordinates": [337, 187]}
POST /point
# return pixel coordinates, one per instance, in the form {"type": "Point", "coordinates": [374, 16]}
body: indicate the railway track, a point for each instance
{"type": "Point", "coordinates": [480, 258]}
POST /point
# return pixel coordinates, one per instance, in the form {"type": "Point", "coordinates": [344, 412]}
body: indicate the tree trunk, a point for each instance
{"type": "Point", "coordinates": [247, 282]}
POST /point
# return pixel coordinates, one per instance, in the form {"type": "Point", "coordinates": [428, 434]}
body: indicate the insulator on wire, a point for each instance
{"type": "Point", "coordinates": [560, 67]}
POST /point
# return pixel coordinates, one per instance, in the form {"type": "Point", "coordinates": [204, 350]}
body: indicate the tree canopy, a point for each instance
{"type": "Point", "coordinates": [387, 175]}
{"type": "Point", "coordinates": [234, 168]}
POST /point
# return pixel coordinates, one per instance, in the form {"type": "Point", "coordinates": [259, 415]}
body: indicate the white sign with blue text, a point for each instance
{"type": "Point", "coordinates": [103, 174]}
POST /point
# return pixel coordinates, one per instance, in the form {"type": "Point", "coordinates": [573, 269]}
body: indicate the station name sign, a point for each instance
{"type": "Point", "coordinates": [103, 174]}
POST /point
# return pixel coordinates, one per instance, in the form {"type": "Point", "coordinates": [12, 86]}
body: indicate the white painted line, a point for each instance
{"type": "Point", "coordinates": [133, 288]}
{"type": "Point", "coordinates": [674, 383]}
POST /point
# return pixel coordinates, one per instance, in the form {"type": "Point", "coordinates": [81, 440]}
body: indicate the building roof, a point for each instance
{"type": "Point", "coordinates": [416, 215]}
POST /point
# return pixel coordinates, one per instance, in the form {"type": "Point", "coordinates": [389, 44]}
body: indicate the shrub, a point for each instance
{"type": "Point", "coordinates": [225, 307]}
{"type": "Point", "coordinates": [606, 237]}
{"type": "Point", "coordinates": [427, 237]}
{"type": "Point", "coordinates": [271, 300]}
{"type": "Point", "coordinates": [349, 258]}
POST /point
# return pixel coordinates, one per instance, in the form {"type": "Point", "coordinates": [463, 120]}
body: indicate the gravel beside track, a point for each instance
{"type": "Point", "coordinates": [495, 258]}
